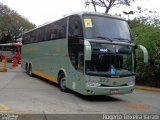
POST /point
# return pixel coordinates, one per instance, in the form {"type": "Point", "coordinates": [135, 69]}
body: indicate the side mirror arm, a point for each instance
{"type": "Point", "coordinates": [87, 50]}
{"type": "Point", "coordinates": [145, 53]}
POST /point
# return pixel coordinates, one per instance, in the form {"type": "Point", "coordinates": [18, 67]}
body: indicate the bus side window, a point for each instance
{"type": "Point", "coordinates": [57, 30]}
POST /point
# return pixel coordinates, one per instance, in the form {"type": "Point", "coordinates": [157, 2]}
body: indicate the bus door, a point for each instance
{"type": "Point", "coordinates": [76, 51]}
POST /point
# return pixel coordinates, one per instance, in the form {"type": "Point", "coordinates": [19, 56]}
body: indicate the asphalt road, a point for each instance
{"type": "Point", "coordinates": [21, 94]}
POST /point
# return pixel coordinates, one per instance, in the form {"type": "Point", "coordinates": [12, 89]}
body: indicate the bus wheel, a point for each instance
{"type": "Point", "coordinates": [29, 72]}
{"type": "Point", "coordinates": [62, 83]}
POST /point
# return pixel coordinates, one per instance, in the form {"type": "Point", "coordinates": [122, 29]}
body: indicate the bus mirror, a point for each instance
{"type": "Point", "coordinates": [145, 52]}
{"type": "Point", "coordinates": [87, 50]}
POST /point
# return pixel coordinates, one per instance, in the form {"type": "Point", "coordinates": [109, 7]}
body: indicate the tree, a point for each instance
{"type": "Point", "coordinates": [147, 33]}
{"type": "Point", "coordinates": [149, 17]}
{"type": "Point", "coordinates": [12, 24]}
{"type": "Point", "coordinates": [108, 4]}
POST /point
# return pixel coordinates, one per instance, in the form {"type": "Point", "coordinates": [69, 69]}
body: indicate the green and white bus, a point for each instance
{"type": "Point", "coordinates": [90, 53]}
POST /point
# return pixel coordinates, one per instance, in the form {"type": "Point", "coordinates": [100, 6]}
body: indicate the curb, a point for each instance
{"type": "Point", "coordinates": [148, 88]}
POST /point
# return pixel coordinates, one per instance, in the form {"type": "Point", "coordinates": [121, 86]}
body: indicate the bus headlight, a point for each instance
{"type": "Point", "coordinates": [93, 84]}
{"type": "Point", "coordinates": [131, 83]}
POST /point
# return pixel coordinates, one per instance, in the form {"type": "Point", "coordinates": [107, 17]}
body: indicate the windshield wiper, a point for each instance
{"type": "Point", "coordinates": [123, 39]}
{"type": "Point", "coordinates": [105, 38]}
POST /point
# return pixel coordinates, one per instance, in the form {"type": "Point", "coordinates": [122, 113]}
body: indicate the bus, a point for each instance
{"type": "Point", "coordinates": [10, 51]}
{"type": "Point", "coordinates": [90, 53]}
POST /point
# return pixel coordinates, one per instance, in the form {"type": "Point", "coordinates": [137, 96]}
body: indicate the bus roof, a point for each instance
{"type": "Point", "coordinates": [11, 44]}
{"type": "Point", "coordinates": [98, 14]}
{"type": "Point", "coordinates": [80, 14]}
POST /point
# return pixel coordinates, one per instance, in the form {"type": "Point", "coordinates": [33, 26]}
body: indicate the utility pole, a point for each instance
{"type": "Point", "coordinates": [128, 13]}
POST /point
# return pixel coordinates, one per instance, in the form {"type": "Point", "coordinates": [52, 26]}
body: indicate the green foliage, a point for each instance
{"type": "Point", "coordinates": [12, 24]}
{"type": "Point", "coordinates": [149, 36]}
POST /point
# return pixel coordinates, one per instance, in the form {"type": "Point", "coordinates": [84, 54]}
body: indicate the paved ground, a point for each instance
{"type": "Point", "coordinates": [20, 94]}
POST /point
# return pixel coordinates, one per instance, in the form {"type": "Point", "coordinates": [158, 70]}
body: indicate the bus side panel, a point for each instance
{"type": "Point", "coordinates": [47, 57]}
{"type": "Point", "coordinates": [75, 80]}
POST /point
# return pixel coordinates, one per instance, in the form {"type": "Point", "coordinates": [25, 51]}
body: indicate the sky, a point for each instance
{"type": "Point", "coordinates": [42, 11]}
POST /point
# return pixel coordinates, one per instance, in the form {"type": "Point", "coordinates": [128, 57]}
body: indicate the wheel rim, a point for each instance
{"type": "Point", "coordinates": [30, 70]}
{"type": "Point", "coordinates": [63, 83]}
{"type": "Point", "coordinates": [27, 70]}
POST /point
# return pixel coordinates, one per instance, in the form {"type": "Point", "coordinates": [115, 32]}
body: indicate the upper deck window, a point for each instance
{"type": "Point", "coordinates": [106, 27]}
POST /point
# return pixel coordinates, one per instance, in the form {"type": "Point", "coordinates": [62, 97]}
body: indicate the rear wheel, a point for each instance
{"type": "Point", "coordinates": [62, 83]}
{"type": "Point", "coordinates": [29, 72]}
{"type": "Point", "coordinates": [27, 69]}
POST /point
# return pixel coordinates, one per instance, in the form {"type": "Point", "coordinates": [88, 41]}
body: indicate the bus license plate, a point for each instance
{"type": "Point", "coordinates": [114, 91]}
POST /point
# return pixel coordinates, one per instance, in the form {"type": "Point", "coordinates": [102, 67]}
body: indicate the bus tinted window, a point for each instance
{"type": "Point", "coordinates": [75, 27]}
{"type": "Point", "coordinates": [53, 31]}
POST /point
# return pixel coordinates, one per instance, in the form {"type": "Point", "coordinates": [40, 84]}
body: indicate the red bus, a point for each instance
{"type": "Point", "coordinates": [10, 51]}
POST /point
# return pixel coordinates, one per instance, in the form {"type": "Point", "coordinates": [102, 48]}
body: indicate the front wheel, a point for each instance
{"type": "Point", "coordinates": [62, 83]}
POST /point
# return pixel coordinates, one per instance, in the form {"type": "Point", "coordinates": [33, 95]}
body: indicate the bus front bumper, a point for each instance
{"type": "Point", "coordinates": [108, 90]}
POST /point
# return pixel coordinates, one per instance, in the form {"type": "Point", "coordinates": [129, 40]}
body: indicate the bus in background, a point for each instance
{"type": "Point", "coordinates": [10, 51]}
{"type": "Point", "coordinates": [90, 53]}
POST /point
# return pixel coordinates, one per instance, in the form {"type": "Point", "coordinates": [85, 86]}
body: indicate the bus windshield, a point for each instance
{"type": "Point", "coordinates": [100, 27]}
{"type": "Point", "coordinates": [9, 48]}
